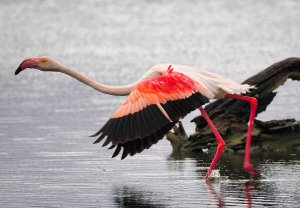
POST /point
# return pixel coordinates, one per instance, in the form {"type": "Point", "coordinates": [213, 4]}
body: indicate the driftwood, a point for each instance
{"type": "Point", "coordinates": [231, 116]}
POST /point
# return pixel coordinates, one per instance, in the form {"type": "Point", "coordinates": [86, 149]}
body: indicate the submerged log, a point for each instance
{"type": "Point", "coordinates": [230, 116]}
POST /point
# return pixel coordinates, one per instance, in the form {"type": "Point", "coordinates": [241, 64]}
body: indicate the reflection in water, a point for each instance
{"type": "Point", "coordinates": [215, 196]}
{"type": "Point", "coordinates": [249, 186]}
{"type": "Point", "coordinates": [127, 197]}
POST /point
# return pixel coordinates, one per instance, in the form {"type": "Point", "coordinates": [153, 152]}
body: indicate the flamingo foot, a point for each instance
{"type": "Point", "coordinates": [250, 170]}
{"type": "Point", "coordinates": [220, 149]}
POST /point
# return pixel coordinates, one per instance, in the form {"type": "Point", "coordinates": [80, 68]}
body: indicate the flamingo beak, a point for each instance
{"type": "Point", "coordinates": [18, 70]}
{"type": "Point", "coordinates": [27, 63]}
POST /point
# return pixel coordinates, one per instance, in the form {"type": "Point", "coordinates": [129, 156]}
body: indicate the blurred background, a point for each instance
{"type": "Point", "coordinates": [46, 156]}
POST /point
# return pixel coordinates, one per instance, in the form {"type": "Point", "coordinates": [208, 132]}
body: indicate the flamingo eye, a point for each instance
{"type": "Point", "coordinates": [43, 59]}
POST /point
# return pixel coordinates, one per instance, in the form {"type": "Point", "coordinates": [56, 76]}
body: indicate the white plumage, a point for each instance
{"type": "Point", "coordinates": [215, 86]}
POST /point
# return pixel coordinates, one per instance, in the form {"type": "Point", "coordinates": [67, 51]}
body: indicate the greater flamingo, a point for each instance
{"type": "Point", "coordinates": [166, 93]}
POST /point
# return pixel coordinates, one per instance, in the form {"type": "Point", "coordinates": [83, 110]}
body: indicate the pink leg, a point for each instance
{"type": "Point", "coordinates": [253, 105]}
{"type": "Point", "coordinates": [221, 143]}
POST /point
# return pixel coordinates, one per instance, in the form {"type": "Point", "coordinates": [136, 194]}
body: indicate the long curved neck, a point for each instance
{"type": "Point", "coordinates": [112, 90]}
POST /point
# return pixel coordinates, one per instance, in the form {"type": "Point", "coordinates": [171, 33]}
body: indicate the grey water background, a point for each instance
{"type": "Point", "coordinates": [46, 156]}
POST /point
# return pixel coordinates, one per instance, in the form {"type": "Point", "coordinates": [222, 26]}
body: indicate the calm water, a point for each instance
{"type": "Point", "coordinates": [46, 156]}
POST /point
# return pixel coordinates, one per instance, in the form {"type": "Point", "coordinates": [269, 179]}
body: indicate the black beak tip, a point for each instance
{"type": "Point", "coordinates": [18, 71]}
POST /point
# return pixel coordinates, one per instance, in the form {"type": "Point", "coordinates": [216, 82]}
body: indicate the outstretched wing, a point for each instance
{"type": "Point", "coordinates": [150, 111]}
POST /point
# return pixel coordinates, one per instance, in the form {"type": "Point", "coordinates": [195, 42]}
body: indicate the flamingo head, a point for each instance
{"type": "Point", "coordinates": [42, 63]}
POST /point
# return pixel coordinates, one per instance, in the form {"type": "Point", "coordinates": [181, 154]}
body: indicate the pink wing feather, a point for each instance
{"type": "Point", "coordinates": [140, 122]}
